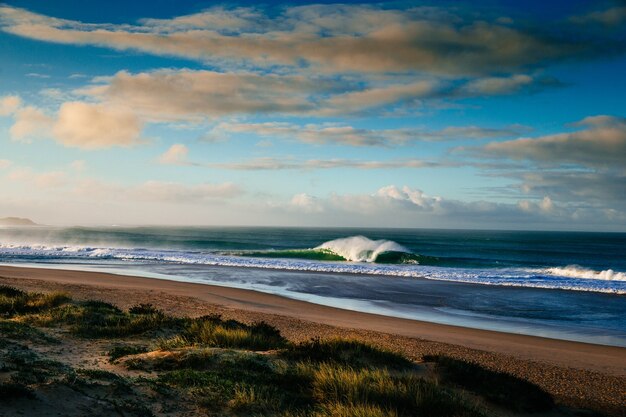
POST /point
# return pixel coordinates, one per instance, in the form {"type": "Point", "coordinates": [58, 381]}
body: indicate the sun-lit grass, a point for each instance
{"type": "Point", "coordinates": [97, 319]}
{"type": "Point", "coordinates": [212, 331]}
{"type": "Point", "coordinates": [349, 352]}
{"type": "Point", "coordinates": [352, 410]}
{"type": "Point", "coordinates": [405, 394]}
{"type": "Point", "coordinates": [225, 367]}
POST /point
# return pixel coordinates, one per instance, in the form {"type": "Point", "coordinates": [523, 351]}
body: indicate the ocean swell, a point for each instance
{"type": "Point", "coordinates": [361, 249]}
{"type": "Point", "coordinates": [567, 278]}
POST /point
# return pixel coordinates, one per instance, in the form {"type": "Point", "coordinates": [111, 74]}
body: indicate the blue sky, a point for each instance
{"type": "Point", "coordinates": [396, 114]}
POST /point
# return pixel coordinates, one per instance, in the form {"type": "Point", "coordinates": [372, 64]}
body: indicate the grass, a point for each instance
{"type": "Point", "coordinates": [348, 352]}
{"type": "Point", "coordinates": [14, 301]}
{"type": "Point", "coordinates": [503, 389]}
{"type": "Point", "coordinates": [97, 319]}
{"type": "Point", "coordinates": [403, 394]}
{"type": "Point", "coordinates": [21, 331]}
{"type": "Point", "coordinates": [212, 331]}
{"type": "Point", "coordinates": [225, 367]}
{"type": "Point", "coordinates": [120, 351]}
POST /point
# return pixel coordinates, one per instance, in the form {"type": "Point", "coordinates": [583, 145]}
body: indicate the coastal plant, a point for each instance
{"type": "Point", "coordinates": [22, 331]}
{"type": "Point", "coordinates": [500, 388]}
{"type": "Point", "coordinates": [212, 331]}
{"type": "Point", "coordinates": [405, 394]}
{"type": "Point", "coordinates": [14, 301]}
{"type": "Point", "coordinates": [261, 400]}
{"type": "Point", "coordinates": [120, 351]}
{"type": "Point", "coordinates": [350, 352]}
{"type": "Point", "coordinates": [97, 319]}
{"type": "Point", "coordinates": [338, 409]}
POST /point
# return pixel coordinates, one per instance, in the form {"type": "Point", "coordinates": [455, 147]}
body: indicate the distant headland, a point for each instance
{"type": "Point", "coordinates": [16, 221]}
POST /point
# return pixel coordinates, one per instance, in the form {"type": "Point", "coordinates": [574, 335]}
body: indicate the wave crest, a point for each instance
{"type": "Point", "coordinates": [575, 271]}
{"type": "Point", "coordinates": [361, 249]}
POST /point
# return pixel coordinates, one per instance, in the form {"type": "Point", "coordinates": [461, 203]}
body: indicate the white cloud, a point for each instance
{"type": "Point", "coordinates": [334, 38]}
{"type": "Point", "coordinates": [600, 144]}
{"type": "Point", "coordinates": [93, 126]}
{"type": "Point", "coordinates": [30, 122]}
{"type": "Point", "coordinates": [306, 203]}
{"type": "Point", "coordinates": [79, 125]}
{"type": "Point", "coordinates": [339, 134]}
{"type": "Point", "coordinates": [275, 164]}
{"type": "Point", "coordinates": [610, 17]}
{"type": "Point", "coordinates": [9, 105]}
{"type": "Point", "coordinates": [167, 95]}
{"type": "Point", "coordinates": [5, 163]}
{"type": "Point", "coordinates": [44, 180]}
{"type": "Point", "coordinates": [175, 155]}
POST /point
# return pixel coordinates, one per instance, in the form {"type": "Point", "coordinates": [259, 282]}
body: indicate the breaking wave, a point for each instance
{"type": "Point", "coordinates": [379, 258]}
{"type": "Point", "coordinates": [349, 249]}
{"type": "Point", "coordinates": [575, 271]}
{"type": "Point", "coordinates": [362, 249]}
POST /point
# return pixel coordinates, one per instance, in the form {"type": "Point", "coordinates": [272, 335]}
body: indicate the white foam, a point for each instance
{"type": "Point", "coordinates": [575, 271]}
{"type": "Point", "coordinates": [360, 248]}
{"type": "Point", "coordinates": [566, 278]}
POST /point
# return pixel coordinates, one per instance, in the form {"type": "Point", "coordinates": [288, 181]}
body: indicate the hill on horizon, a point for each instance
{"type": "Point", "coordinates": [16, 221]}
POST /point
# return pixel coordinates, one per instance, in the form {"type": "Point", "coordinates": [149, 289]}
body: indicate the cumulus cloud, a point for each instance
{"type": "Point", "coordinates": [491, 86]}
{"type": "Point", "coordinates": [306, 203]}
{"type": "Point", "coordinates": [168, 95]}
{"type": "Point", "coordinates": [30, 122]}
{"type": "Point", "coordinates": [610, 17]}
{"type": "Point", "coordinates": [5, 163]}
{"type": "Point", "coordinates": [79, 125]}
{"type": "Point", "coordinates": [338, 38]}
{"type": "Point", "coordinates": [93, 126]}
{"type": "Point", "coordinates": [601, 143]}
{"type": "Point", "coordinates": [187, 94]}
{"type": "Point", "coordinates": [339, 134]}
{"type": "Point", "coordinates": [175, 155]}
{"type": "Point", "coordinates": [406, 205]}
{"type": "Point", "coordinates": [405, 201]}
{"type": "Point", "coordinates": [9, 105]}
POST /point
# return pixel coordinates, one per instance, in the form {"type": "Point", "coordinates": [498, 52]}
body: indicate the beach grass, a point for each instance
{"type": "Point", "coordinates": [214, 366]}
{"type": "Point", "coordinates": [500, 388]}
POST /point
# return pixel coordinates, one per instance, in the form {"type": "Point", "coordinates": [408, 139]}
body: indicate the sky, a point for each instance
{"type": "Point", "coordinates": [444, 114]}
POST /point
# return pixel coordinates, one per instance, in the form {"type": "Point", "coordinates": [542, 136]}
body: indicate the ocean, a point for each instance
{"type": "Point", "coordinates": [562, 285]}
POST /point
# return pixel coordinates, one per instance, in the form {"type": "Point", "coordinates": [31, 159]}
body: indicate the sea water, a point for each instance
{"type": "Point", "coordinates": [555, 284]}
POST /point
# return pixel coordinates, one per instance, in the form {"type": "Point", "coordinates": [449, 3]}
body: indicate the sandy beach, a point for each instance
{"type": "Point", "coordinates": [575, 373]}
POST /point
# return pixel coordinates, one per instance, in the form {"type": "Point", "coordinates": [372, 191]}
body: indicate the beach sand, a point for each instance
{"type": "Point", "coordinates": [576, 374]}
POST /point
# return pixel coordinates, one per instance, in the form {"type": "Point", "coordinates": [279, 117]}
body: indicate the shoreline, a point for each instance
{"type": "Point", "coordinates": [609, 360]}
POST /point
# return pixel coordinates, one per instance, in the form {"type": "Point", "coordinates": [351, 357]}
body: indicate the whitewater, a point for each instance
{"type": "Point", "coordinates": [562, 285]}
{"type": "Point", "coordinates": [358, 255]}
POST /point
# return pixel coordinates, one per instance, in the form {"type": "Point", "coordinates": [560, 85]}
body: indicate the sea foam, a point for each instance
{"type": "Point", "coordinates": [575, 271]}
{"type": "Point", "coordinates": [360, 248]}
{"type": "Point", "coordinates": [364, 251]}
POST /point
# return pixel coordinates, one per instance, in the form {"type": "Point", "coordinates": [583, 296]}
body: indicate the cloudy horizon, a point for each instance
{"type": "Point", "coordinates": [438, 114]}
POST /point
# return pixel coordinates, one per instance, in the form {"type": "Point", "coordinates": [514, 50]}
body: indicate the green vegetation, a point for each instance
{"type": "Point", "coordinates": [503, 389]}
{"type": "Point", "coordinates": [347, 352]}
{"type": "Point", "coordinates": [120, 351]}
{"type": "Point", "coordinates": [213, 366]}
{"type": "Point", "coordinates": [14, 301]}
